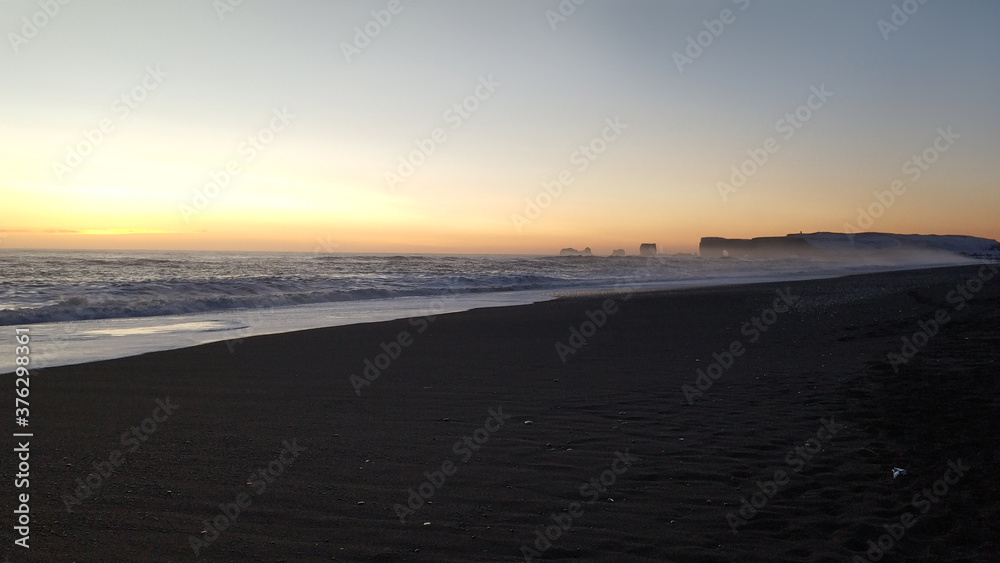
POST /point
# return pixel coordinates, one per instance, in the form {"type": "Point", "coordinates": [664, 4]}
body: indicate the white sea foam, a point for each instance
{"type": "Point", "coordinates": [86, 306]}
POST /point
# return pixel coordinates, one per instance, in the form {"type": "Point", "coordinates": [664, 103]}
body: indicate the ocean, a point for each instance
{"type": "Point", "coordinates": [84, 306]}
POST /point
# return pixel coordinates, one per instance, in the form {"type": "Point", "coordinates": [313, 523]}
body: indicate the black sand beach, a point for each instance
{"type": "Point", "coordinates": [782, 451]}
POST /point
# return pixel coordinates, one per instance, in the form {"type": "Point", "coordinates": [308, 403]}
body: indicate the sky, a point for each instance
{"type": "Point", "coordinates": [493, 127]}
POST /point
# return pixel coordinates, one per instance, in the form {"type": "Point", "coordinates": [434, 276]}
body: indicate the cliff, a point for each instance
{"type": "Point", "coordinates": [760, 247]}
{"type": "Point", "coordinates": [813, 244]}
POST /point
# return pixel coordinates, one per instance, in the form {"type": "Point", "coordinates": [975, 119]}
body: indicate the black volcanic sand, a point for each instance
{"type": "Point", "coordinates": [693, 464]}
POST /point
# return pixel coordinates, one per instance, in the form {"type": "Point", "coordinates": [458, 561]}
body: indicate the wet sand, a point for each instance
{"type": "Point", "coordinates": [476, 439]}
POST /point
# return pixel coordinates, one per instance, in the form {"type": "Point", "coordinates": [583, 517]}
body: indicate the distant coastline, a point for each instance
{"type": "Point", "coordinates": [828, 244]}
{"type": "Point", "coordinates": [825, 244]}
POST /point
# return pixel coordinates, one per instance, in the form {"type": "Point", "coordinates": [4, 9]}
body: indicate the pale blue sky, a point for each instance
{"type": "Point", "coordinates": [354, 120]}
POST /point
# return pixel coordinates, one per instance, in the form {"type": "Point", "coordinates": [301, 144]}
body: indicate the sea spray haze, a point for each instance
{"type": "Point", "coordinates": [95, 305]}
{"type": "Point", "coordinates": [50, 286]}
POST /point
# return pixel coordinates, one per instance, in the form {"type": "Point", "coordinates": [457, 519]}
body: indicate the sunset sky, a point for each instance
{"type": "Point", "coordinates": [307, 116]}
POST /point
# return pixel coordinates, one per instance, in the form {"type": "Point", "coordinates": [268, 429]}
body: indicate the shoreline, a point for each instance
{"type": "Point", "coordinates": [446, 418]}
{"type": "Point", "coordinates": [66, 343]}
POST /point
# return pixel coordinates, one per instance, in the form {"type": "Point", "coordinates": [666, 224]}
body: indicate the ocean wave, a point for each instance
{"type": "Point", "coordinates": [177, 297]}
{"type": "Point", "coordinates": [55, 286]}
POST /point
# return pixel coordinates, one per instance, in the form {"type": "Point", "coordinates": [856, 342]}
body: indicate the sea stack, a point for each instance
{"type": "Point", "coordinates": [575, 252]}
